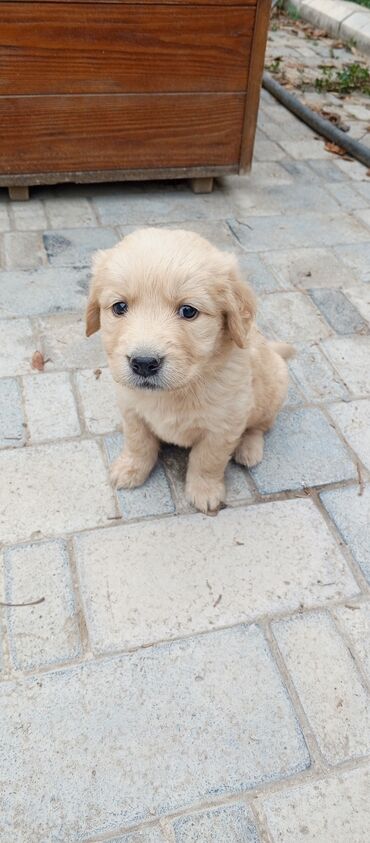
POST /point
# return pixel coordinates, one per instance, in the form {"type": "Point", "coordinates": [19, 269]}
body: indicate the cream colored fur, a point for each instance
{"type": "Point", "coordinates": [222, 382]}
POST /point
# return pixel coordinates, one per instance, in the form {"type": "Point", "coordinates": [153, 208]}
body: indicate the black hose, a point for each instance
{"type": "Point", "coordinates": [317, 123]}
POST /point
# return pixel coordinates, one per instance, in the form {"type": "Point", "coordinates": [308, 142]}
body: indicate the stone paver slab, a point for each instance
{"type": "Point", "coordinates": [355, 620]}
{"type": "Point", "coordinates": [329, 685]}
{"type": "Point", "coordinates": [357, 258]}
{"type": "Point", "coordinates": [353, 419]}
{"type": "Point", "coordinates": [339, 312]}
{"type": "Point", "coordinates": [131, 205]}
{"type": "Point", "coordinates": [23, 250]}
{"type": "Point", "coordinates": [315, 375]}
{"type": "Point", "coordinates": [50, 489]}
{"type": "Point", "coordinates": [331, 810]}
{"type": "Point", "coordinates": [42, 291]}
{"type": "Point", "coordinates": [12, 430]}
{"type": "Point", "coordinates": [16, 347]}
{"type": "Point", "coordinates": [174, 577]}
{"type": "Point", "coordinates": [146, 734]}
{"type": "Point", "coordinates": [302, 450]}
{"type": "Point", "coordinates": [350, 512]}
{"type": "Point", "coordinates": [231, 823]}
{"type": "Point", "coordinates": [236, 479]}
{"type": "Point", "coordinates": [98, 399]}
{"type": "Point", "coordinates": [50, 406]}
{"type": "Point", "coordinates": [46, 633]}
{"type": "Point", "coordinates": [351, 358]}
{"type": "Point", "coordinates": [73, 247]}
{"type": "Point", "coordinates": [150, 499]}
{"type": "Point", "coordinates": [256, 234]}
{"type": "Point", "coordinates": [65, 343]}
{"type": "Point", "coordinates": [308, 267]}
{"type": "Point", "coordinates": [29, 215]}
{"type": "Point", "coordinates": [67, 213]}
{"type": "Point", "coordinates": [150, 835]}
{"type": "Point", "coordinates": [292, 317]}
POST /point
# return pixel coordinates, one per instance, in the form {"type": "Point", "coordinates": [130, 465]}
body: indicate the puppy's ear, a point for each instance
{"type": "Point", "coordinates": [240, 306]}
{"type": "Point", "coordinates": [93, 308]}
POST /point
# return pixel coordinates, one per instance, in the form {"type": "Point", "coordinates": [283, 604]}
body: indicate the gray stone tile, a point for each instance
{"type": "Point", "coordinates": [315, 376]}
{"type": "Point", "coordinates": [174, 577]}
{"type": "Point", "coordinates": [157, 202]}
{"type": "Point", "coordinates": [73, 247]}
{"type": "Point", "coordinates": [98, 399]}
{"type": "Point", "coordinates": [23, 250]}
{"type": "Point", "coordinates": [51, 489]}
{"type": "Point", "coordinates": [348, 196]}
{"type": "Point", "coordinates": [308, 267]}
{"type": "Point", "coordinates": [29, 215]}
{"type": "Point", "coordinates": [321, 811]}
{"type": "Point", "coordinates": [292, 317]}
{"type": "Point", "coordinates": [12, 429]}
{"type": "Point", "coordinates": [353, 420]}
{"type": "Point", "coordinates": [359, 295]}
{"type": "Point", "coordinates": [258, 275]}
{"type": "Point", "coordinates": [231, 823]}
{"type": "Point", "coordinates": [326, 170]}
{"type": "Point", "coordinates": [127, 718]}
{"type": "Point", "coordinates": [354, 618]}
{"type": "Point", "coordinates": [149, 835]}
{"type": "Point", "coordinates": [66, 345]}
{"type": "Point", "coordinates": [45, 290]}
{"type": "Point", "coordinates": [302, 450]}
{"type": "Point", "coordinates": [153, 498]}
{"type": "Point", "coordinates": [339, 311]}
{"type": "Point", "coordinates": [50, 406]}
{"type": "Point", "coordinates": [351, 515]}
{"type": "Point", "coordinates": [328, 684]}
{"type": "Point", "coordinates": [273, 199]}
{"type": "Point", "coordinates": [72, 212]}
{"type": "Point", "coordinates": [4, 217]}
{"type": "Point", "coordinates": [267, 150]}
{"type": "Point", "coordinates": [357, 258]}
{"type": "Point", "coordinates": [47, 633]}
{"type": "Point", "coordinates": [256, 234]}
{"type": "Point", "coordinates": [17, 346]}
{"type": "Point", "coordinates": [351, 358]}
{"type": "Point", "coordinates": [301, 171]}
{"type": "Point", "coordinates": [304, 150]}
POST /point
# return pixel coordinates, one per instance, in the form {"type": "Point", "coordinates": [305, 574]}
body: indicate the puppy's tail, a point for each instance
{"type": "Point", "coordinates": [284, 349]}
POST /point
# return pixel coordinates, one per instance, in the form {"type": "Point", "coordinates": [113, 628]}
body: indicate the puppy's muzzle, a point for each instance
{"type": "Point", "coordinates": [146, 367]}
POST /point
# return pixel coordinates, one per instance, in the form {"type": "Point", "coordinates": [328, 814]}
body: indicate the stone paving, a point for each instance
{"type": "Point", "coordinates": [189, 679]}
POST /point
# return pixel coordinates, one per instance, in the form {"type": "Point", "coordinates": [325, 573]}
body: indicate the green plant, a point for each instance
{"type": "Point", "coordinates": [352, 77]}
{"type": "Point", "coordinates": [274, 66]}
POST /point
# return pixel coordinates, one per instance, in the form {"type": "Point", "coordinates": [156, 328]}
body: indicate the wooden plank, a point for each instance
{"type": "Point", "coordinates": [50, 49]}
{"type": "Point", "coordinates": [257, 60]}
{"type": "Point", "coordinates": [106, 132]}
{"type": "Point", "coordinates": [149, 2]}
{"type": "Point", "coordinates": [91, 176]}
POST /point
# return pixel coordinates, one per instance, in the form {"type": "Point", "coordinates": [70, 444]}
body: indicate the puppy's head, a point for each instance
{"type": "Point", "coordinates": [169, 304]}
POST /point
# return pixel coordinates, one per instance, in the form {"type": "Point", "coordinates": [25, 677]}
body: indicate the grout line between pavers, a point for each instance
{"type": "Point", "coordinates": [351, 646]}
{"type": "Point", "coordinates": [354, 566]}
{"type": "Point", "coordinates": [316, 757]}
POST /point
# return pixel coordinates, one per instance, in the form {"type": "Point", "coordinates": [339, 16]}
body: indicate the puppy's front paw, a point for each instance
{"type": "Point", "coordinates": [127, 473]}
{"type": "Point", "coordinates": [205, 495]}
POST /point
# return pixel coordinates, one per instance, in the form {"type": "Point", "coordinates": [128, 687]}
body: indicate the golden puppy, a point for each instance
{"type": "Point", "coordinates": [190, 365]}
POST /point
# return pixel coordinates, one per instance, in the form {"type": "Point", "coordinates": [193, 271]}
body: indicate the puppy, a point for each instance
{"type": "Point", "coordinates": [191, 368]}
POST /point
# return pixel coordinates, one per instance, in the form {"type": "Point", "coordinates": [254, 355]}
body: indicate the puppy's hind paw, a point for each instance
{"type": "Point", "coordinates": [127, 473]}
{"type": "Point", "coordinates": [250, 449]}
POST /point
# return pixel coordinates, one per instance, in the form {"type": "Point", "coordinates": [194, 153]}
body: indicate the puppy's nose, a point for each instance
{"type": "Point", "coordinates": [145, 366]}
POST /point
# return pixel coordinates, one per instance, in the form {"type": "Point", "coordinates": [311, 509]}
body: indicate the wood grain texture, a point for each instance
{"type": "Point", "coordinates": [257, 59]}
{"type": "Point", "coordinates": [48, 48]}
{"type": "Point", "coordinates": [106, 132]}
{"type": "Point", "coordinates": [149, 2]}
{"type": "Point", "coordinates": [91, 176]}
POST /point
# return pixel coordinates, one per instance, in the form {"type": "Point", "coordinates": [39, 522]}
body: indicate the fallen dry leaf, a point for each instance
{"type": "Point", "coordinates": [31, 603]}
{"type": "Point", "coordinates": [361, 482]}
{"type": "Point", "coordinates": [38, 361]}
{"type": "Point", "coordinates": [97, 374]}
{"type": "Point", "coordinates": [333, 147]}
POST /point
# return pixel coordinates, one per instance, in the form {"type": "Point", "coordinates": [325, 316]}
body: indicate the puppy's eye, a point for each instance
{"type": "Point", "coordinates": [187, 311]}
{"type": "Point", "coordinates": [119, 308]}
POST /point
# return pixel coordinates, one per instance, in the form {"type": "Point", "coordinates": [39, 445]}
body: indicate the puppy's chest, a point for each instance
{"type": "Point", "coordinates": [174, 427]}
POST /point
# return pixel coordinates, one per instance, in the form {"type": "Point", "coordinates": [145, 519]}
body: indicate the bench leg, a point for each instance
{"type": "Point", "coordinates": [202, 184]}
{"type": "Point", "coordinates": [19, 192]}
